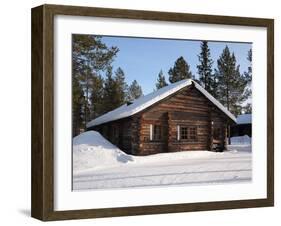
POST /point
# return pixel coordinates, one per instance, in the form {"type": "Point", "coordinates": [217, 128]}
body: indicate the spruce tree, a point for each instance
{"type": "Point", "coordinates": [109, 94]}
{"type": "Point", "coordinates": [161, 82]}
{"type": "Point", "coordinates": [180, 71]}
{"type": "Point", "coordinates": [134, 91]}
{"type": "Point", "coordinates": [96, 98]}
{"type": "Point", "coordinates": [115, 90]}
{"type": "Point", "coordinates": [231, 83]}
{"type": "Point", "coordinates": [120, 86]}
{"type": "Point", "coordinates": [206, 78]}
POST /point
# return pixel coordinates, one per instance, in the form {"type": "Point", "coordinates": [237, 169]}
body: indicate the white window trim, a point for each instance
{"type": "Point", "coordinates": [178, 132]}
{"type": "Point", "coordinates": [151, 132]}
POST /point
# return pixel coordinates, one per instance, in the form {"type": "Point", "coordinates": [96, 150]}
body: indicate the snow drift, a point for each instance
{"type": "Point", "coordinates": [91, 151]}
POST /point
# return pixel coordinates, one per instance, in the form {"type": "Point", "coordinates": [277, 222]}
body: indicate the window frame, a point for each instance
{"type": "Point", "coordinates": [190, 137]}
{"type": "Point", "coordinates": [152, 133]}
{"type": "Point", "coordinates": [183, 133]}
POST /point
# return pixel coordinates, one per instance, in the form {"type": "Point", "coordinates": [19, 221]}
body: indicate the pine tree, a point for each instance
{"type": "Point", "coordinates": [120, 86]}
{"type": "Point", "coordinates": [247, 109]}
{"type": "Point", "coordinates": [230, 83]}
{"type": "Point", "coordinates": [180, 71]}
{"type": "Point", "coordinates": [96, 98]}
{"type": "Point", "coordinates": [134, 91]}
{"type": "Point", "coordinates": [161, 82]}
{"type": "Point", "coordinates": [248, 74]}
{"type": "Point", "coordinates": [206, 78]}
{"type": "Point", "coordinates": [90, 56]}
{"type": "Point", "coordinates": [77, 107]}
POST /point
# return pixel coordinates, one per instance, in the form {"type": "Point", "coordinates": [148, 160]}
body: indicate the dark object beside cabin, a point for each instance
{"type": "Point", "coordinates": [243, 126]}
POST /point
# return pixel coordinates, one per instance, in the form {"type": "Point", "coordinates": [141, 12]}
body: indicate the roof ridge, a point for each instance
{"type": "Point", "coordinates": [146, 101]}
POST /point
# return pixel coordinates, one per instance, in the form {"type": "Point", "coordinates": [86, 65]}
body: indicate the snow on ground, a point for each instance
{"type": "Point", "coordinates": [98, 164]}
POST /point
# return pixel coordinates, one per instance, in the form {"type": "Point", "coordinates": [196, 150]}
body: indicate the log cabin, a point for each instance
{"type": "Point", "coordinates": [179, 117]}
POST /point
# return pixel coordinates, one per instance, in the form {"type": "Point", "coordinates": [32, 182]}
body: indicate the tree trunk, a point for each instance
{"type": "Point", "coordinates": [211, 128]}
{"type": "Point", "coordinates": [228, 106]}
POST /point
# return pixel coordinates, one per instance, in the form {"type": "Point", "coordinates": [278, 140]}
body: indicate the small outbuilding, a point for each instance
{"type": "Point", "coordinates": [179, 117]}
{"type": "Point", "coordinates": [243, 126]}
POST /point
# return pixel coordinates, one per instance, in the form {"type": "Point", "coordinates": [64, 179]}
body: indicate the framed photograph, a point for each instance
{"type": "Point", "coordinates": [142, 112]}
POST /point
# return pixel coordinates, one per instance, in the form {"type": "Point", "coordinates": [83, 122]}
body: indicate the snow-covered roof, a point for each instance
{"type": "Point", "coordinates": [244, 119]}
{"type": "Point", "coordinates": [146, 101]}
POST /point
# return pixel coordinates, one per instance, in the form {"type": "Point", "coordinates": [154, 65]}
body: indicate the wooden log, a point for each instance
{"type": "Point", "coordinates": [211, 135]}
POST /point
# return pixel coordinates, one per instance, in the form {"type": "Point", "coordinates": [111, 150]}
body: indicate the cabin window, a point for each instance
{"type": "Point", "coordinates": [188, 133]}
{"type": "Point", "coordinates": [192, 133]}
{"type": "Point", "coordinates": [184, 133]}
{"type": "Point", "coordinates": [155, 132]}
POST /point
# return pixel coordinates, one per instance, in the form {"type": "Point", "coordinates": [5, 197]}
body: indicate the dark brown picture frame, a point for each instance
{"type": "Point", "coordinates": [42, 203]}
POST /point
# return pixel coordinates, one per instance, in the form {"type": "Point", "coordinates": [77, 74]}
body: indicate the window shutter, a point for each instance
{"type": "Point", "coordinates": [151, 132]}
{"type": "Point", "coordinates": [178, 132]}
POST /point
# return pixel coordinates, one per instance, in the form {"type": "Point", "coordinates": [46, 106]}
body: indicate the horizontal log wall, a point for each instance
{"type": "Point", "coordinates": [203, 132]}
{"type": "Point", "coordinates": [135, 134]}
{"type": "Point", "coordinates": [189, 107]}
{"type": "Point", "coordinates": [123, 139]}
{"type": "Point", "coordinates": [152, 147]}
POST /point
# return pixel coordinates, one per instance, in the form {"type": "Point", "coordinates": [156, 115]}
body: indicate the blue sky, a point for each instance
{"type": "Point", "coordinates": [143, 58]}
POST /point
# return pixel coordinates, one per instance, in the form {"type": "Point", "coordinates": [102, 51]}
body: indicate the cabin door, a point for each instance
{"type": "Point", "coordinates": [165, 134]}
{"type": "Point", "coordinates": [218, 138]}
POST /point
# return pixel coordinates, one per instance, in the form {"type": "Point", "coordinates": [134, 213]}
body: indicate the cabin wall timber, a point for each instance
{"type": "Point", "coordinates": [119, 133]}
{"type": "Point", "coordinates": [187, 107]}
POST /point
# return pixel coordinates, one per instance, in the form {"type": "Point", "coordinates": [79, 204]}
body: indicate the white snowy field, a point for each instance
{"type": "Point", "coordinates": [97, 164]}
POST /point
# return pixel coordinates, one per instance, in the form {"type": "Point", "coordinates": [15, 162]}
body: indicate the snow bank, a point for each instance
{"type": "Point", "coordinates": [174, 156]}
{"type": "Point", "coordinates": [241, 140]}
{"type": "Point", "coordinates": [91, 150]}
